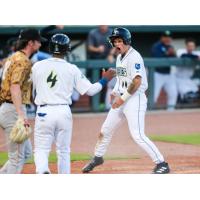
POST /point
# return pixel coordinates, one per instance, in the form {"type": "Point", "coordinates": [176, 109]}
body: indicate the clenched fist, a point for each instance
{"type": "Point", "coordinates": [117, 102]}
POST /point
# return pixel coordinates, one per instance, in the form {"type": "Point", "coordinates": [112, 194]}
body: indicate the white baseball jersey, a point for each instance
{"type": "Point", "coordinates": [54, 80]}
{"type": "Point", "coordinates": [128, 68]}
{"type": "Point", "coordinates": [133, 110]}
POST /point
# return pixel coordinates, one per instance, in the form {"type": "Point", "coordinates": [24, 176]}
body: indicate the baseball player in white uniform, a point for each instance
{"type": "Point", "coordinates": [54, 80]}
{"type": "Point", "coordinates": [129, 102]}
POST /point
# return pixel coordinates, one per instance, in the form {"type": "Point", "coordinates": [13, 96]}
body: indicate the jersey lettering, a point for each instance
{"type": "Point", "coordinates": [52, 79]}
{"type": "Point", "coordinates": [124, 84]}
{"type": "Point", "coordinates": [121, 71]}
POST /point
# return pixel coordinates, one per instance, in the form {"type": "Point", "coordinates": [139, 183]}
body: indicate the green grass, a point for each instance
{"type": "Point", "coordinates": [74, 157]}
{"type": "Point", "coordinates": [3, 157]}
{"type": "Point", "coordinates": [52, 157]}
{"type": "Point", "coordinates": [193, 139]}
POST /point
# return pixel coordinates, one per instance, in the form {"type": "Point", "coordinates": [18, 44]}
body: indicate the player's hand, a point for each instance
{"type": "Point", "coordinates": [113, 95]}
{"type": "Point", "coordinates": [109, 74]}
{"type": "Point", "coordinates": [24, 119]}
{"type": "Point", "coordinates": [117, 102]}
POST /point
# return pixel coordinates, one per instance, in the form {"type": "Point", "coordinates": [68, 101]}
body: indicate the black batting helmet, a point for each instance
{"type": "Point", "coordinates": [122, 33]}
{"type": "Point", "coordinates": [59, 44]}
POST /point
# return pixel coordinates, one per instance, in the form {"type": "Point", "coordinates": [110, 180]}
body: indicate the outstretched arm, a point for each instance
{"type": "Point", "coordinates": [97, 87]}
{"type": "Point", "coordinates": [94, 89]}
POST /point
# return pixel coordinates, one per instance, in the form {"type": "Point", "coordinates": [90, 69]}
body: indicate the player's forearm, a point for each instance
{"type": "Point", "coordinates": [134, 85]}
{"type": "Point", "coordinates": [16, 98]}
{"type": "Point", "coordinates": [94, 89]}
{"type": "Point", "coordinates": [136, 82]}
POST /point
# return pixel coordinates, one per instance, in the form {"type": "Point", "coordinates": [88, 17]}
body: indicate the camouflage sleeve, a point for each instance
{"type": "Point", "coordinates": [19, 72]}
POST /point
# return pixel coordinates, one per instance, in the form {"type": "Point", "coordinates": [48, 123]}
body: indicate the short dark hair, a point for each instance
{"type": "Point", "coordinates": [187, 40]}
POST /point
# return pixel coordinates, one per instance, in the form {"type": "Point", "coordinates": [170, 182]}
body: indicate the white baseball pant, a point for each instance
{"type": "Point", "coordinates": [17, 153]}
{"type": "Point", "coordinates": [53, 123]}
{"type": "Point", "coordinates": [134, 112]}
{"type": "Point", "coordinates": [168, 81]}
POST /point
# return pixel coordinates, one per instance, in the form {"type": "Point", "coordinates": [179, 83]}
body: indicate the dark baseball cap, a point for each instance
{"type": "Point", "coordinates": [166, 33]}
{"type": "Point", "coordinates": [31, 34]}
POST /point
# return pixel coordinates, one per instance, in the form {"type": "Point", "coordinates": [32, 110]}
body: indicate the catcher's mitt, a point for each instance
{"type": "Point", "coordinates": [20, 132]}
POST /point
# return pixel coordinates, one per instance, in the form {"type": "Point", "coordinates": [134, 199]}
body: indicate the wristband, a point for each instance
{"type": "Point", "coordinates": [103, 81]}
{"type": "Point", "coordinates": [126, 96]}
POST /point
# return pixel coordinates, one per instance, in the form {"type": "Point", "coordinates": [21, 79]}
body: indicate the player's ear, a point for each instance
{"type": "Point", "coordinates": [30, 42]}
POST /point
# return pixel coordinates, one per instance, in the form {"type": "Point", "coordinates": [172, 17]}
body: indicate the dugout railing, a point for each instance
{"type": "Point", "coordinates": [150, 64]}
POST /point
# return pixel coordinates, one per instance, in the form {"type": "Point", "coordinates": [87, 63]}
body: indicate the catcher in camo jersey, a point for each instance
{"type": "Point", "coordinates": [15, 94]}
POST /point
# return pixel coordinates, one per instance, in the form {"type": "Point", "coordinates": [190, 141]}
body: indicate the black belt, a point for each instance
{"type": "Point", "coordinates": [7, 101]}
{"type": "Point", "coordinates": [43, 105]}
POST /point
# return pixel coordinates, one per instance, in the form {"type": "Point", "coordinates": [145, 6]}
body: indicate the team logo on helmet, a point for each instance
{"type": "Point", "coordinates": [59, 44]}
{"type": "Point", "coordinates": [116, 31]}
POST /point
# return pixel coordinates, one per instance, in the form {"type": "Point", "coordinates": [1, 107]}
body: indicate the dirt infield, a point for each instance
{"type": "Point", "coordinates": [178, 165]}
{"type": "Point", "coordinates": [182, 158]}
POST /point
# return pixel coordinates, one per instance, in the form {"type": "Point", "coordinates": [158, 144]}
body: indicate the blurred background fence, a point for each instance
{"type": "Point", "coordinates": [150, 64]}
{"type": "Point", "coordinates": [143, 37]}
